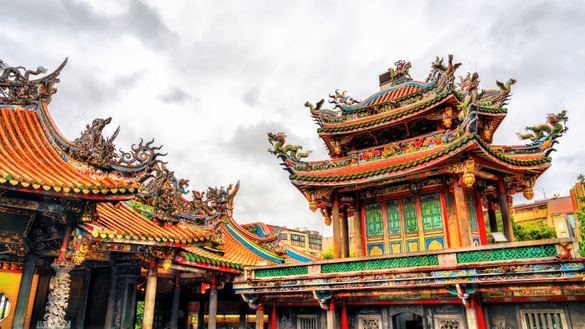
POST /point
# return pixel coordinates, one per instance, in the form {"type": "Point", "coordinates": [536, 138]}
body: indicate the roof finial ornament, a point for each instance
{"type": "Point", "coordinates": [401, 71]}
{"type": "Point", "coordinates": [545, 135]}
{"type": "Point", "coordinates": [16, 88]}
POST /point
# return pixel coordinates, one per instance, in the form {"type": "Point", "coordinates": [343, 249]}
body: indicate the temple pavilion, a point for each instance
{"type": "Point", "coordinates": [414, 165]}
{"type": "Point", "coordinates": [94, 237]}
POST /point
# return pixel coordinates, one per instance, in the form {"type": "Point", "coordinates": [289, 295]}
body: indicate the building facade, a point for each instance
{"type": "Point", "coordinates": [415, 165]}
{"type": "Point", "coordinates": [557, 212]}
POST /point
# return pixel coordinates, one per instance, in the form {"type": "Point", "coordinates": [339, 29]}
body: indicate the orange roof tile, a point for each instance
{"type": "Point", "coordinates": [234, 251]}
{"type": "Point", "coordinates": [125, 223]}
{"type": "Point", "coordinates": [29, 161]}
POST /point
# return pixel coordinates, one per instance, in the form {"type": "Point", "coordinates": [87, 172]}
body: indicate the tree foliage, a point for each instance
{"type": "Point", "coordinates": [527, 231]}
{"type": "Point", "coordinates": [580, 216]}
{"type": "Point", "coordinates": [328, 254]}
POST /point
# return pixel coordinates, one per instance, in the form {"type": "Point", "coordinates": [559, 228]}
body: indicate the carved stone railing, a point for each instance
{"type": "Point", "coordinates": [545, 250]}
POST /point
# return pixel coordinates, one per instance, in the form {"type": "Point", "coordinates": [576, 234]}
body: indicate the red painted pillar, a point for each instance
{"type": "Point", "coordinates": [481, 324]}
{"type": "Point", "coordinates": [273, 321]}
{"type": "Point", "coordinates": [344, 324]}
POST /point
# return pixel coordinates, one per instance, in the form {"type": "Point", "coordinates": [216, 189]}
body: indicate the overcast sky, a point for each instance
{"type": "Point", "coordinates": [209, 79]}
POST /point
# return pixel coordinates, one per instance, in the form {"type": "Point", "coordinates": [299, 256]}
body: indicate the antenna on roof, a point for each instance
{"type": "Point", "coordinates": [543, 192]}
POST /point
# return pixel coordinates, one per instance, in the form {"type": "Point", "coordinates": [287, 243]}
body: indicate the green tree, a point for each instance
{"type": "Point", "coordinates": [529, 231]}
{"type": "Point", "coordinates": [328, 254]}
{"type": "Point", "coordinates": [580, 215]}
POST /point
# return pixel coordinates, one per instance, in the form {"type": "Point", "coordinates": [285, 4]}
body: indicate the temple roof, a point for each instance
{"type": "Point", "coordinates": [29, 161]}
{"type": "Point", "coordinates": [37, 158]}
{"type": "Point", "coordinates": [411, 130]}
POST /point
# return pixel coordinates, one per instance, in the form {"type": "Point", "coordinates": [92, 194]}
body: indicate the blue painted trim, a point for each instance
{"type": "Point", "coordinates": [251, 247]}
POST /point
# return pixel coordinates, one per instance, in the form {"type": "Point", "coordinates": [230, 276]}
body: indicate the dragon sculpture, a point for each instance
{"type": "Point", "coordinates": [320, 115]}
{"type": "Point", "coordinates": [468, 109]}
{"type": "Point", "coordinates": [443, 76]}
{"type": "Point", "coordinates": [545, 135]}
{"type": "Point", "coordinates": [93, 147]}
{"type": "Point", "coordinates": [340, 100]}
{"type": "Point", "coordinates": [164, 192]}
{"type": "Point", "coordinates": [16, 88]}
{"type": "Point", "coordinates": [497, 97]}
{"type": "Point", "coordinates": [286, 152]}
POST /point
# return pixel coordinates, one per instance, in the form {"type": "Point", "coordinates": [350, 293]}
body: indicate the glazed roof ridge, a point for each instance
{"type": "Point", "coordinates": [387, 117]}
{"type": "Point", "coordinates": [370, 101]}
{"type": "Point", "coordinates": [30, 161]}
{"type": "Point", "coordinates": [382, 166]}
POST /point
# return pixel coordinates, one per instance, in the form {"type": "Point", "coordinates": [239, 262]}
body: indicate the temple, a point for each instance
{"type": "Point", "coordinates": [415, 166]}
{"type": "Point", "coordinates": [95, 237]}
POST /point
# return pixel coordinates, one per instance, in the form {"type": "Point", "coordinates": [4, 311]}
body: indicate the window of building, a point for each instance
{"type": "Point", "coordinates": [283, 236]}
{"type": "Point", "coordinates": [374, 225]}
{"type": "Point", "coordinates": [471, 211]}
{"type": "Point", "coordinates": [543, 319]}
{"type": "Point", "coordinates": [305, 321]}
{"type": "Point", "coordinates": [409, 215]}
{"type": "Point", "coordinates": [297, 240]}
{"type": "Point", "coordinates": [393, 216]}
{"type": "Point", "coordinates": [571, 218]}
{"type": "Point", "coordinates": [315, 243]}
{"type": "Point", "coordinates": [432, 215]}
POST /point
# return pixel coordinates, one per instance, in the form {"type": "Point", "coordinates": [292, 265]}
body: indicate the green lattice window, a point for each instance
{"type": "Point", "coordinates": [374, 224]}
{"type": "Point", "coordinates": [269, 272]}
{"type": "Point", "coordinates": [409, 215]}
{"type": "Point", "coordinates": [377, 264]}
{"type": "Point", "coordinates": [393, 217]}
{"type": "Point", "coordinates": [506, 254]}
{"type": "Point", "coordinates": [471, 211]}
{"type": "Point", "coordinates": [432, 215]}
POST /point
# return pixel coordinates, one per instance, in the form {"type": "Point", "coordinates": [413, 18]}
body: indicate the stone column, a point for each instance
{"type": "Point", "coordinates": [336, 228]}
{"type": "Point", "coordinates": [28, 273]}
{"type": "Point", "coordinates": [503, 196]}
{"type": "Point", "coordinates": [83, 301]}
{"type": "Point", "coordinates": [471, 318]}
{"type": "Point", "coordinates": [122, 299]}
{"type": "Point", "coordinates": [201, 314]}
{"type": "Point", "coordinates": [176, 300]}
{"type": "Point", "coordinates": [331, 315]}
{"type": "Point", "coordinates": [462, 217]}
{"type": "Point", "coordinates": [492, 217]}
{"type": "Point", "coordinates": [357, 227]}
{"type": "Point", "coordinates": [212, 308]}
{"type": "Point", "coordinates": [344, 234]}
{"type": "Point", "coordinates": [150, 296]}
{"type": "Point", "coordinates": [58, 298]}
{"type": "Point", "coordinates": [259, 316]}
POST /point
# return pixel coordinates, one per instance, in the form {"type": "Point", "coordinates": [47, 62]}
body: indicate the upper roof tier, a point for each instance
{"type": "Point", "coordinates": [404, 108]}
{"type": "Point", "coordinates": [412, 130]}
{"type": "Point", "coordinates": [36, 157]}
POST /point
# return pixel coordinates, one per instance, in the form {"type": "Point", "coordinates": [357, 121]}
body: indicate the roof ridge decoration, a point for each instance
{"type": "Point", "coordinates": [544, 136]}
{"type": "Point", "coordinates": [95, 149]}
{"type": "Point", "coordinates": [165, 193]}
{"type": "Point", "coordinates": [285, 152]}
{"type": "Point", "coordinates": [16, 88]}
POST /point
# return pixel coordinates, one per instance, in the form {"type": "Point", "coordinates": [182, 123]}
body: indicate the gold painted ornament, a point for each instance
{"type": "Point", "coordinates": [469, 179]}
{"type": "Point", "coordinates": [313, 206]}
{"type": "Point", "coordinates": [77, 258]}
{"type": "Point", "coordinates": [327, 221]}
{"type": "Point", "coordinates": [528, 193]}
{"type": "Point", "coordinates": [166, 264]}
